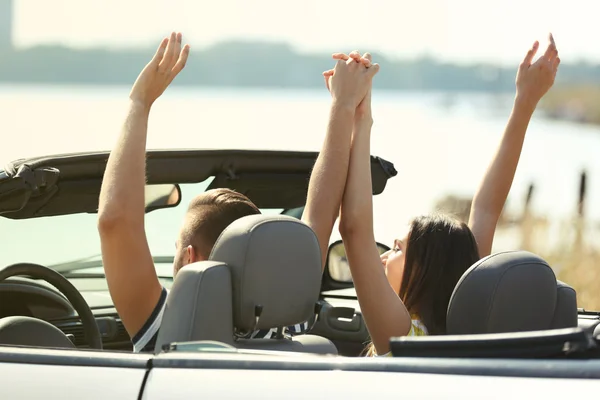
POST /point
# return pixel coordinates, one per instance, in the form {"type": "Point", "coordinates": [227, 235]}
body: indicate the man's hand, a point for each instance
{"type": "Point", "coordinates": [363, 109]}
{"type": "Point", "coordinates": [128, 266]}
{"type": "Point", "coordinates": [168, 61]}
{"type": "Point", "coordinates": [348, 83]}
{"type": "Point", "coordinates": [350, 80]}
{"type": "Point", "coordinates": [535, 79]}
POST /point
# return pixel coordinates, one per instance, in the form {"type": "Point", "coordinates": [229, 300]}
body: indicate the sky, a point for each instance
{"type": "Point", "coordinates": [454, 30]}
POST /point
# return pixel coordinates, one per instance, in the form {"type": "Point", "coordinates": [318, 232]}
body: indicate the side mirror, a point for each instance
{"type": "Point", "coordinates": [162, 196]}
{"type": "Point", "coordinates": [337, 263]}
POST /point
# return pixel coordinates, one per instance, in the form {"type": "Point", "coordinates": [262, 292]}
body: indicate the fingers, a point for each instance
{"type": "Point", "coordinates": [354, 55]}
{"type": "Point", "coordinates": [171, 58]}
{"type": "Point", "coordinates": [340, 56]}
{"type": "Point", "coordinates": [551, 39]}
{"type": "Point", "coordinates": [170, 53]}
{"type": "Point", "coordinates": [530, 54]}
{"type": "Point", "coordinates": [339, 63]}
{"type": "Point", "coordinates": [556, 63]}
{"type": "Point", "coordinates": [366, 59]}
{"type": "Point", "coordinates": [327, 75]}
{"type": "Point", "coordinates": [553, 57]}
{"type": "Point", "coordinates": [178, 43]}
{"type": "Point", "coordinates": [551, 53]}
{"type": "Point", "coordinates": [371, 71]}
{"type": "Point", "coordinates": [183, 56]}
{"type": "Point", "coordinates": [160, 52]}
{"type": "Point", "coordinates": [554, 53]}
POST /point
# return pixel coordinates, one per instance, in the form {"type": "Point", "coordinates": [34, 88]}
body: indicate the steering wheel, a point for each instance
{"type": "Point", "coordinates": [33, 331]}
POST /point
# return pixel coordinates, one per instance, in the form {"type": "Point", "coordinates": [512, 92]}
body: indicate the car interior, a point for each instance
{"type": "Point", "coordinates": [265, 272]}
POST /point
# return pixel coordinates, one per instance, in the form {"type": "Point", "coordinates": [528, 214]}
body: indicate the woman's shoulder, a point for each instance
{"type": "Point", "coordinates": [417, 328]}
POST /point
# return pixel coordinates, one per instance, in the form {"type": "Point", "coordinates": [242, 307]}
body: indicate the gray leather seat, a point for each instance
{"type": "Point", "coordinates": [264, 272]}
{"type": "Point", "coordinates": [511, 291]}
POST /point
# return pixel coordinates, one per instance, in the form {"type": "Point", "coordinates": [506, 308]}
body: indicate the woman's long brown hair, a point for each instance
{"type": "Point", "coordinates": [440, 249]}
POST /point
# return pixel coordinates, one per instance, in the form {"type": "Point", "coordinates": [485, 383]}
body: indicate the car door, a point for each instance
{"type": "Point", "coordinates": [36, 373]}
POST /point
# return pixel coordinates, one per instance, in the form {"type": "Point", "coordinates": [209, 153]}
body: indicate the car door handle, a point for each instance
{"type": "Point", "coordinates": [344, 319]}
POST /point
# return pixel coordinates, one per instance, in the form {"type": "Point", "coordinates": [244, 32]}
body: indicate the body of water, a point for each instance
{"type": "Point", "coordinates": [439, 145]}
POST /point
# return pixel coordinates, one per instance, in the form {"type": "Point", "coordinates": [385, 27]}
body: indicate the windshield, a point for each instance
{"type": "Point", "coordinates": [67, 238]}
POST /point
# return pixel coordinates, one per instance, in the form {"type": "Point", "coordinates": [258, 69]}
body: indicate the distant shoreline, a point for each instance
{"type": "Point", "coordinates": [184, 87]}
{"type": "Point", "coordinates": [274, 66]}
{"type": "Point", "coordinates": [577, 103]}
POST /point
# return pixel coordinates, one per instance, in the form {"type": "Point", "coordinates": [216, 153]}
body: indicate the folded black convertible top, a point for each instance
{"type": "Point", "coordinates": [70, 183]}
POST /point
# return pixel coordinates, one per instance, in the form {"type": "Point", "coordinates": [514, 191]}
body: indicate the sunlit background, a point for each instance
{"type": "Point", "coordinates": [253, 80]}
{"type": "Point", "coordinates": [454, 30]}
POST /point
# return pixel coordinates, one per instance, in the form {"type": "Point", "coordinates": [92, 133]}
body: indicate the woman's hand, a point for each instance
{"type": "Point", "coordinates": [535, 79]}
{"type": "Point", "coordinates": [363, 112]}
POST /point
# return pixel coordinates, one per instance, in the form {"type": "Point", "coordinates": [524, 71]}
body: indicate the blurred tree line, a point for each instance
{"type": "Point", "coordinates": [260, 64]}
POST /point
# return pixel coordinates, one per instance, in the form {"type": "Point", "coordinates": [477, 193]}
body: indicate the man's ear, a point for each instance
{"type": "Point", "coordinates": [192, 255]}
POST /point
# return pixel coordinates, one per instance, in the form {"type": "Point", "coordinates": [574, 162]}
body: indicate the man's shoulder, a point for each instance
{"type": "Point", "coordinates": [145, 339]}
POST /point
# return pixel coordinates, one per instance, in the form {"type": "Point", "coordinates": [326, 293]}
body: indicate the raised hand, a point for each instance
{"type": "Point", "coordinates": [363, 110]}
{"type": "Point", "coordinates": [350, 80]}
{"type": "Point", "coordinates": [168, 61]}
{"type": "Point", "coordinates": [535, 79]}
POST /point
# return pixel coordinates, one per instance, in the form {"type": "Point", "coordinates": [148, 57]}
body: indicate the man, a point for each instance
{"type": "Point", "coordinates": [133, 284]}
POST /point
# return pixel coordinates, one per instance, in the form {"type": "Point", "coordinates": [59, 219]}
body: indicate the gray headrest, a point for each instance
{"type": "Point", "coordinates": [510, 292]}
{"type": "Point", "coordinates": [275, 262]}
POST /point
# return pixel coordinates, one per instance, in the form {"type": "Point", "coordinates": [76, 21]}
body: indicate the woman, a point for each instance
{"type": "Point", "coordinates": [410, 294]}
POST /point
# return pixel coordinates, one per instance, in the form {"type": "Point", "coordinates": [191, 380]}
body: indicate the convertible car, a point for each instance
{"type": "Point", "coordinates": [511, 323]}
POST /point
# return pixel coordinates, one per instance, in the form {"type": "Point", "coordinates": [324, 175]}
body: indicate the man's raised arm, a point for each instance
{"type": "Point", "coordinates": [328, 178]}
{"type": "Point", "coordinates": [128, 265]}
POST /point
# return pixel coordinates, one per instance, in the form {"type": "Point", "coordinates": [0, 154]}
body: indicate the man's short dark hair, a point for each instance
{"type": "Point", "coordinates": [210, 213]}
